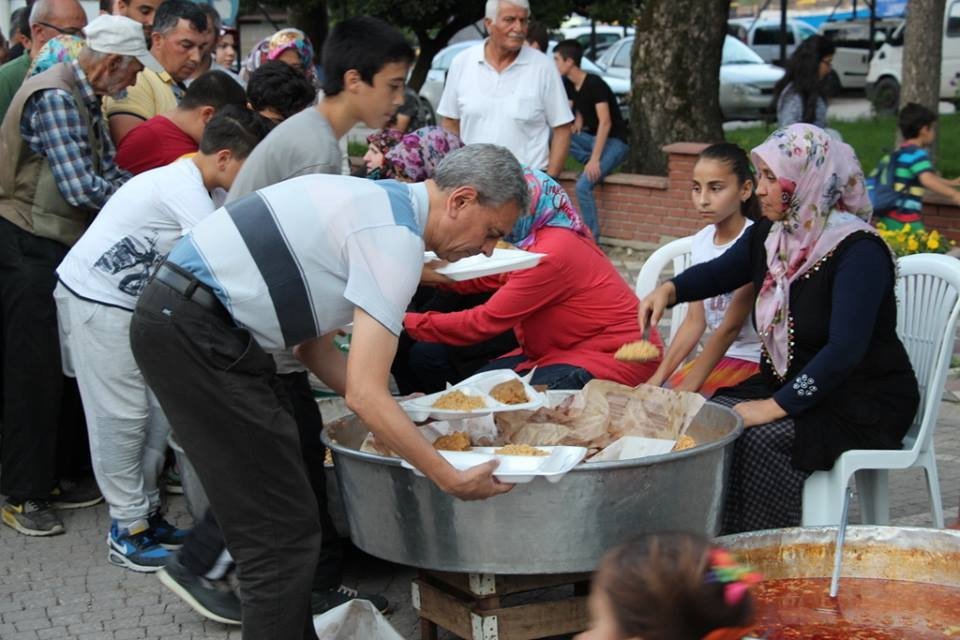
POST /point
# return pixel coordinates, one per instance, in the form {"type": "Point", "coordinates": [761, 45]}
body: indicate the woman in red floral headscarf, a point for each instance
{"type": "Point", "coordinates": [834, 375]}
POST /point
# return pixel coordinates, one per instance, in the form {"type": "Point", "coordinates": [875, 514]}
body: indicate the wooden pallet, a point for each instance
{"type": "Point", "coordinates": [469, 605]}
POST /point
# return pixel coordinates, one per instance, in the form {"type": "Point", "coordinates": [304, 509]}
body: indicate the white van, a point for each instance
{"type": "Point", "coordinates": [851, 60]}
{"type": "Point", "coordinates": [763, 35]}
{"type": "Point", "coordinates": [884, 76]}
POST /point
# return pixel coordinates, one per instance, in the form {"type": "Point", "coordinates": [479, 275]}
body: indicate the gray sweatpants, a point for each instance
{"type": "Point", "coordinates": [128, 431]}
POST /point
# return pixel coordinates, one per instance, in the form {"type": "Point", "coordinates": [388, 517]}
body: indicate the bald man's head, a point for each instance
{"type": "Point", "coordinates": [51, 18]}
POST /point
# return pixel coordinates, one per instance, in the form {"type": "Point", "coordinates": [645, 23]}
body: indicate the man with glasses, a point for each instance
{"type": "Point", "coordinates": [179, 27]}
{"type": "Point", "coordinates": [48, 19]}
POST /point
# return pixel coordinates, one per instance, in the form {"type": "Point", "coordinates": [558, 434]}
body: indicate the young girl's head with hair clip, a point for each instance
{"type": "Point", "coordinates": [670, 586]}
{"type": "Point", "coordinates": [723, 188]}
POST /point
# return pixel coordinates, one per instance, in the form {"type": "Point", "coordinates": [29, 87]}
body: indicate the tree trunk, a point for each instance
{"type": "Point", "coordinates": [923, 55]}
{"type": "Point", "coordinates": [676, 78]}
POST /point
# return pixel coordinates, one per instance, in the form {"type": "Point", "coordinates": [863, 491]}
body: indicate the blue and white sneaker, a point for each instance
{"type": "Point", "coordinates": [135, 548]}
{"type": "Point", "coordinates": [165, 534]}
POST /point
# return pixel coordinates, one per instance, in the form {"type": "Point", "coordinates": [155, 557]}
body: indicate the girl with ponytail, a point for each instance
{"type": "Point", "coordinates": [722, 192]}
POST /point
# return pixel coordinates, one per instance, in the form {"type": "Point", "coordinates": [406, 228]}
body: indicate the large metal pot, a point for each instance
{"type": "Point", "coordinates": [538, 527]}
{"type": "Point", "coordinates": [913, 554]}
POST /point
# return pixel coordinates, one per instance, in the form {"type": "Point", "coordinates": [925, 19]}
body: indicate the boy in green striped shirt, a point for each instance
{"type": "Point", "coordinates": [913, 170]}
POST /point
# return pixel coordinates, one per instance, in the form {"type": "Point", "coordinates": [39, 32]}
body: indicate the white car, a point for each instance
{"type": "Point", "coordinates": [432, 87]}
{"type": "Point", "coordinates": [746, 81]}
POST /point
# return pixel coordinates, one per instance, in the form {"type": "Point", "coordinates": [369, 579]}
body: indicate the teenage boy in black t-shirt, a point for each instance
{"type": "Point", "coordinates": [599, 138]}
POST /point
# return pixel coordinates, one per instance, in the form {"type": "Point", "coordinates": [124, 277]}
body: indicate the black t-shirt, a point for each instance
{"type": "Point", "coordinates": [593, 91]}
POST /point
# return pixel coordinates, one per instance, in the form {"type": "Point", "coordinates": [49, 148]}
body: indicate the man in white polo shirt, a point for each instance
{"type": "Point", "coordinates": [286, 266]}
{"type": "Point", "coordinates": [504, 93]}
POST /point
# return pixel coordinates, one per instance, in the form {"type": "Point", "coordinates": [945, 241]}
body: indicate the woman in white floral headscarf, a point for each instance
{"type": "Point", "coordinates": [834, 375]}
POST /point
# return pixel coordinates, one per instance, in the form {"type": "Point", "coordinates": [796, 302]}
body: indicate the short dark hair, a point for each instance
{"type": "Point", "coordinates": [278, 86]}
{"type": "Point", "coordinates": [914, 117]}
{"type": "Point", "coordinates": [170, 12]}
{"type": "Point", "coordinates": [362, 43]}
{"type": "Point", "coordinates": [570, 50]}
{"type": "Point", "coordinates": [213, 89]}
{"type": "Point", "coordinates": [235, 128]}
{"type": "Point", "coordinates": [106, 6]}
{"type": "Point", "coordinates": [537, 32]}
{"type": "Point", "coordinates": [216, 21]}
{"type": "Point", "coordinates": [20, 22]}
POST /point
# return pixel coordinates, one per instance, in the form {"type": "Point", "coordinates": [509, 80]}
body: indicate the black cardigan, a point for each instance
{"type": "Point", "coordinates": [849, 383]}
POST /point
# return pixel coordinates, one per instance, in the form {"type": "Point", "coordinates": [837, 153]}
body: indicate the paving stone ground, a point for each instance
{"type": "Point", "coordinates": [63, 587]}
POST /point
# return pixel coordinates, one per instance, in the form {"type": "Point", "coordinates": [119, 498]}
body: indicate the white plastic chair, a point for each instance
{"type": "Point", "coordinates": [677, 252]}
{"type": "Point", "coordinates": [928, 295]}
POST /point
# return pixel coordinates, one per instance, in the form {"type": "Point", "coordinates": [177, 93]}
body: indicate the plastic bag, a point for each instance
{"type": "Point", "coordinates": [352, 620]}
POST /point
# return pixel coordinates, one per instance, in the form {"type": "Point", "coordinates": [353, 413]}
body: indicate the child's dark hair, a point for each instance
{"type": "Point", "coordinates": [235, 128]}
{"type": "Point", "coordinates": [362, 43]}
{"type": "Point", "coordinates": [739, 163]}
{"type": "Point", "coordinates": [213, 89]}
{"type": "Point", "coordinates": [660, 588]}
{"type": "Point", "coordinates": [278, 86]}
{"type": "Point", "coordinates": [914, 117]}
{"type": "Point", "coordinates": [803, 74]}
{"type": "Point", "coordinates": [570, 50]}
{"type": "Point", "coordinates": [537, 32]}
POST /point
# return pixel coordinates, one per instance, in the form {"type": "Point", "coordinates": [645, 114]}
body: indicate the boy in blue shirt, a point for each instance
{"type": "Point", "coordinates": [913, 170]}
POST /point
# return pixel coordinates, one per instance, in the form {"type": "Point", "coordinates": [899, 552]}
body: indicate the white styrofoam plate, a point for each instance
{"type": "Point", "coordinates": [421, 408]}
{"type": "Point", "coordinates": [516, 469]}
{"type": "Point", "coordinates": [478, 266]}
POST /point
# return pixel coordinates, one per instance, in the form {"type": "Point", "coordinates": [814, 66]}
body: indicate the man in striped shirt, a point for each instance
{"type": "Point", "coordinates": [286, 266]}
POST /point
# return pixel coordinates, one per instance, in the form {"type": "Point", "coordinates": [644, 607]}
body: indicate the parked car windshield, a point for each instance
{"type": "Point", "coordinates": [735, 52]}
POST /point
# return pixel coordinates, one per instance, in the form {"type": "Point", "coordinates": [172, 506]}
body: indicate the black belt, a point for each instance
{"type": "Point", "coordinates": [185, 283]}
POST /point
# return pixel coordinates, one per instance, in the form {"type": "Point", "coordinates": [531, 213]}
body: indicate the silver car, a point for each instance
{"type": "Point", "coordinates": [746, 81]}
{"type": "Point", "coordinates": [432, 87]}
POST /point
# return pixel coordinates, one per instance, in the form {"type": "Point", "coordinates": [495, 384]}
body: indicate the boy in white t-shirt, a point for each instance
{"type": "Point", "coordinates": [722, 191]}
{"type": "Point", "coordinates": [100, 280]}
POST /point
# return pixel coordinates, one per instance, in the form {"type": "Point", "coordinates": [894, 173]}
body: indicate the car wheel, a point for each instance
{"type": "Point", "coordinates": [886, 96]}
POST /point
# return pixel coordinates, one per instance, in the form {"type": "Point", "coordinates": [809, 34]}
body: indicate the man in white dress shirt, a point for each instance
{"type": "Point", "coordinates": [504, 93]}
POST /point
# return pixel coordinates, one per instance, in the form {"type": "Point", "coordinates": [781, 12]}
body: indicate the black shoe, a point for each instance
{"type": "Point", "coordinates": [76, 494]}
{"type": "Point", "coordinates": [322, 601]}
{"type": "Point", "coordinates": [211, 599]}
{"type": "Point", "coordinates": [31, 517]}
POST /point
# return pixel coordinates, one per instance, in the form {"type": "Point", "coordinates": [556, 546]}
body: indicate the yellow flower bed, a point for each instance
{"type": "Point", "coordinates": [905, 241]}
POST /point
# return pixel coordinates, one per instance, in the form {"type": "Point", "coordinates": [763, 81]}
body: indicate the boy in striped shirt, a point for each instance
{"type": "Point", "coordinates": [913, 170]}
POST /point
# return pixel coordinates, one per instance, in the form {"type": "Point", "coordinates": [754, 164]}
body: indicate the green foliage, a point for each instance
{"type": "Point", "coordinates": [871, 138]}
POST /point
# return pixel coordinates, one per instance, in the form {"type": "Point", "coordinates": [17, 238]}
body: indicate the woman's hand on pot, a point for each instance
{"type": "Point", "coordinates": [755, 412]}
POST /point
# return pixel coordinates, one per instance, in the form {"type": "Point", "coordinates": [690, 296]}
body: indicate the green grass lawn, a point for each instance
{"type": "Point", "coordinates": [871, 138]}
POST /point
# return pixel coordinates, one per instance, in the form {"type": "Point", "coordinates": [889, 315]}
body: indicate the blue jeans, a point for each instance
{"type": "Point", "coordinates": [581, 148]}
{"type": "Point", "coordinates": [554, 376]}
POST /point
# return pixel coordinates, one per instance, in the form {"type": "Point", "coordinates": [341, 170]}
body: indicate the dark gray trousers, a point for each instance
{"type": "Point", "coordinates": [226, 405]}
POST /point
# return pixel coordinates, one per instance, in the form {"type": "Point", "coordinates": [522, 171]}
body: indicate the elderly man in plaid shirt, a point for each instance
{"type": "Point", "coordinates": [57, 171]}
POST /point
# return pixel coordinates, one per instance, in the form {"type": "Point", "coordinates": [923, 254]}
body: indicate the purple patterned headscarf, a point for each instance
{"type": "Point", "coordinates": [416, 156]}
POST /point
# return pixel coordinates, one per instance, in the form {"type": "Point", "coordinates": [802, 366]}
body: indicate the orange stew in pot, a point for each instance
{"type": "Point", "coordinates": [865, 609]}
